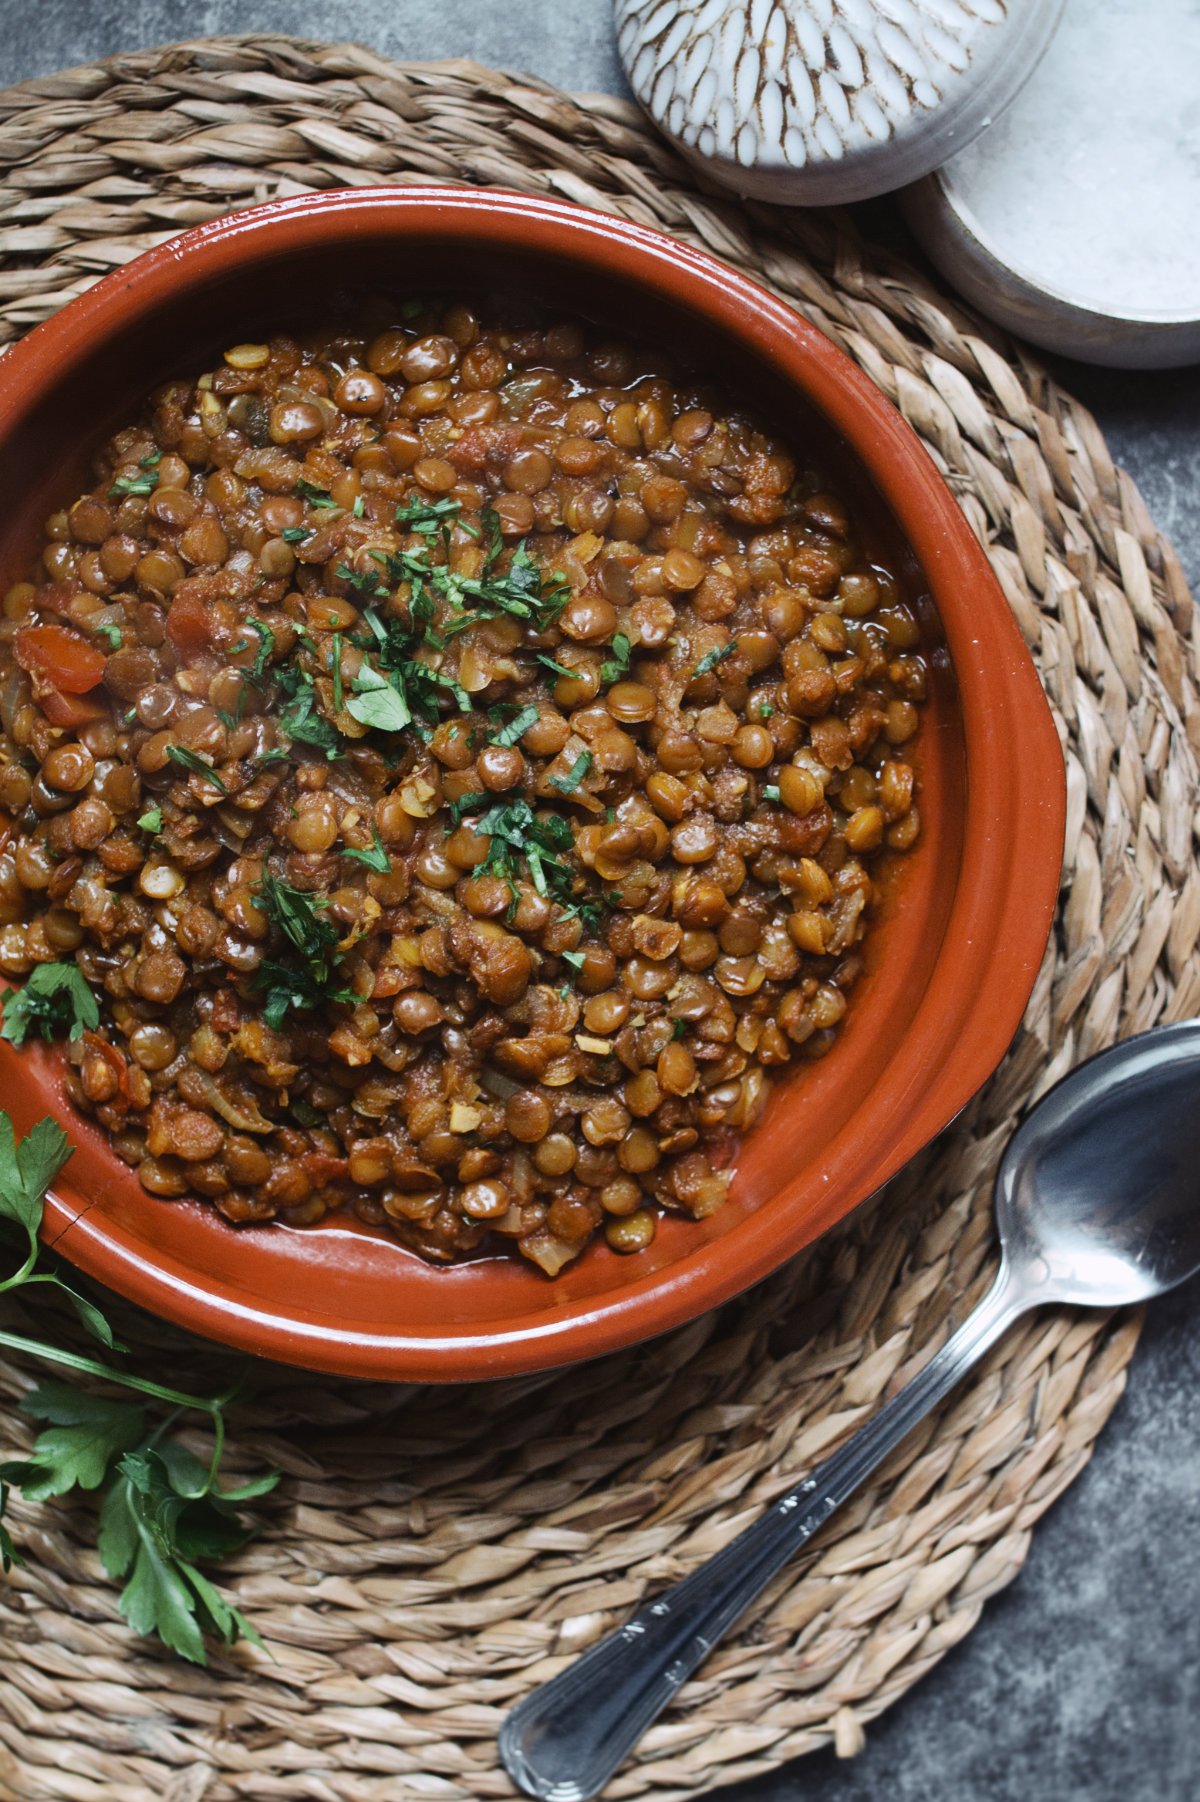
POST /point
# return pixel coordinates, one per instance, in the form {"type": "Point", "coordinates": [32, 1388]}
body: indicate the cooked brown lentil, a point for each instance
{"type": "Point", "coordinates": [455, 755]}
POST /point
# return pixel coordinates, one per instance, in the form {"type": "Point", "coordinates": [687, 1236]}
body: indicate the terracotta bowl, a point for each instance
{"type": "Point", "coordinates": [961, 933]}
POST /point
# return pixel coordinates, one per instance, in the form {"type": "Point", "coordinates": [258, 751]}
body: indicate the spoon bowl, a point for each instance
{"type": "Point", "coordinates": [1097, 1205]}
{"type": "Point", "coordinates": [1098, 1192]}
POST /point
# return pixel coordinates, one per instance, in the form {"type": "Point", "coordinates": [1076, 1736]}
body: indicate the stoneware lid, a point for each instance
{"type": "Point", "coordinates": [817, 101]}
{"type": "Point", "coordinates": [1074, 221]}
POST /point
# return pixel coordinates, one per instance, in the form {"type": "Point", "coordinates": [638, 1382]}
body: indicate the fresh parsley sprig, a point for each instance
{"type": "Point", "coordinates": [56, 998]}
{"type": "Point", "coordinates": [162, 1512]}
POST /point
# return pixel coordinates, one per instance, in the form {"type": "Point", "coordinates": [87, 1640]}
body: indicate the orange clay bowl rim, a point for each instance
{"type": "Point", "coordinates": [1007, 882]}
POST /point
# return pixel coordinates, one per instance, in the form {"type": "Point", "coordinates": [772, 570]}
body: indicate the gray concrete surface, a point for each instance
{"type": "Point", "coordinates": [1080, 1683]}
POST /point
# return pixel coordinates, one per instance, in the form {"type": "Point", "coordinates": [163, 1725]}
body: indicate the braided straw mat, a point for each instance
{"type": "Point", "coordinates": [433, 1554]}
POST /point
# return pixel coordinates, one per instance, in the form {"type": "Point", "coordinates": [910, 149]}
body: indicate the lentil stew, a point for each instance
{"type": "Point", "coordinates": [447, 766]}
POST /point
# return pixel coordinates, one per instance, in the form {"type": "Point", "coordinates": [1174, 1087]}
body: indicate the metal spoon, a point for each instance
{"type": "Point", "coordinates": [1097, 1204]}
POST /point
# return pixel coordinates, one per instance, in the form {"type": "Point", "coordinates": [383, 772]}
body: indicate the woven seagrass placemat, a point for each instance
{"type": "Point", "coordinates": [433, 1554]}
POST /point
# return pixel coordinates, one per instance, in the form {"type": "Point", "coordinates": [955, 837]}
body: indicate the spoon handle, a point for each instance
{"type": "Point", "coordinates": [566, 1739]}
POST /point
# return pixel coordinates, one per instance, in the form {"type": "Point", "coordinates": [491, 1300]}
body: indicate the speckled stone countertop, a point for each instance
{"type": "Point", "coordinates": [1082, 1681]}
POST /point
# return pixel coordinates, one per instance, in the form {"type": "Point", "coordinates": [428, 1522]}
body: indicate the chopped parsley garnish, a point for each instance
{"type": "Point", "coordinates": [710, 659]}
{"type": "Point", "coordinates": [570, 782]}
{"type": "Point", "coordinates": [360, 506]}
{"type": "Point", "coordinates": [310, 978]}
{"type": "Point", "coordinates": [770, 791]}
{"type": "Point", "coordinates": [529, 842]}
{"type": "Point", "coordinates": [559, 669]}
{"type": "Point", "coordinates": [113, 634]}
{"type": "Point", "coordinates": [265, 759]}
{"type": "Point", "coordinates": [144, 483]}
{"type": "Point", "coordinates": [427, 517]}
{"type": "Point", "coordinates": [374, 856]}
{"type": "Point", "coordinates": [614, 667]}
{"type": "Point", "coordinates": [420, 683]}
{"type": "Point", "coordinates": [299, 717]}
{"type": "Point", "coordinates": [467, 804]}
{"type": "Point", "coordinates": [763, 710]}
{"type": "Point", "coordinates": [151, 820]}
{"type": "Point", "coordinates": [189, 760]}
{"type": "Point", "coordinates": [266, 644]}
{"type": "Point", "coordinates": [314, 495]}
{"type": "Point", "coordinates": [516, 728]}
{"type": "Point", "coordinates": [521, 590]}
{"type": "Point", "coordinates": [56, 999]}
{"type": "Point", "coordinates": [296, 534]}
{"type": "Point", "coordinates": [363, 581]}
{"type": "Point", "coordinates": [519, 836]}
{"type": "Point", "coordinates": [575, 958]}
{"type": "Point", "coordinates": [679, 1030]}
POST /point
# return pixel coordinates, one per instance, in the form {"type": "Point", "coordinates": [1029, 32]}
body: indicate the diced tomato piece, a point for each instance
{"type": "Point", "coordinates": [59, 657]}
{"type": "Point", "coordinates": [188, 622]}
{"type": "Point", "coordinates": [71, 710]}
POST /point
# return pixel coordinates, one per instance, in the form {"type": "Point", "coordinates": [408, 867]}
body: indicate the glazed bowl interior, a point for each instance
{"type": "Point", "coordinates": [951, 957]}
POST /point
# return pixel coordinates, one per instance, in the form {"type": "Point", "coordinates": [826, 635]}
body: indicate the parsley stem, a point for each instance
{"type": "Point", "coordinates": [54, 1354]}
{"type": "Point", "coordinates": [23, 1274]}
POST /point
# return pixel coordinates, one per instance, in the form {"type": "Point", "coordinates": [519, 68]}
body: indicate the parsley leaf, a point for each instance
{"type": "Point", "coordinates": [56, 998]}
{"type": "Point", "coordinates": [467, 804]}
{"type": "Point", "coordinates": [144, 483]}
{"type": "Point", "coordinates": [296, 534]}
{"type": "Point", "coordinates": [266, 644]}
{"type": "Point", "coordinates": [516, 727]}
{"type": "Point", "coordinates": [575, 958]}
{"type": "Point", "coordinates": [363, 581]}
{"type": "Point", "coordinates": [86, 1434]}
{"type": "Point", "coordinates": [710, 659]}
{"type": "Point", "coordinates": [155, 1521]}
{"type": "Point", "coordinates": [376, 702]}
{"type": "Point", "coordinates": [27, 1170]}
{"type": "Point", "coordinates": [190, 760]}
{"type": "Point", "coordinates": [614, 667]}
{"type": "Point", "coordinates": [570, 782]}
{"type": "Point", "coordinates": [427, 518]}
{"type": "Point", "coordinates": [374, 856]}
{"type": "Point", "coordinates": [151, 820]}
{"type": "Point", "coordinates": [314, 495]}
{"type": "Point", "coordinates": [112, 632]}
{"type": "Point", "coordinates": [559, 669]}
